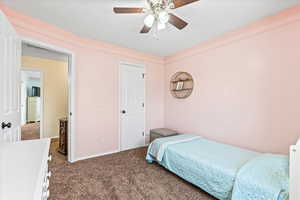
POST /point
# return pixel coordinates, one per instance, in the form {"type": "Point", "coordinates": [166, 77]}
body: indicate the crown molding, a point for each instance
{"type": "Point", "coordinates": [278, 21]}
{"type": "Point", "coordinates": [281, 20]}
{"type": "Point", "coordinates": [23, 23]}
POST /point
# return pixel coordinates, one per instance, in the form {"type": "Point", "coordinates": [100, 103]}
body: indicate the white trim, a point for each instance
{"type": "Point", "coordinates": [72, 91]}
{"type": "Point", "coordinates": [30, 69]}
{"type": "Point", "coordinates": [119, 107]}
{"type": "Point", "coordinates": [96, 155]}
{"type": "Point", "coordinates": [54, 137]}
{"type": "Point", "coordinates": [132, 64]}
{"type": "Point", "coordinates": [103, 47]}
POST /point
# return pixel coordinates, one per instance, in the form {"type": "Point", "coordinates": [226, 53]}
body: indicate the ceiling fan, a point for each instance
{"type": "Point", "coordinates": [158, 13]}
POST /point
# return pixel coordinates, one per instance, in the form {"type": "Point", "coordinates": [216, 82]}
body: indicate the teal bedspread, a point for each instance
{"type": "Point", "coordinates": [263, 178]}
{"type": "Point", "coordinates": [211, 166]}
{"type": "Point", "coordinates": [157, 148]}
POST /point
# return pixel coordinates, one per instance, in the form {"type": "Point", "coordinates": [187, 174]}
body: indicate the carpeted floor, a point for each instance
{"type": "Point", "coordinates": [120, 176]}
{"type": "Point", "coordinates": [30, 131]}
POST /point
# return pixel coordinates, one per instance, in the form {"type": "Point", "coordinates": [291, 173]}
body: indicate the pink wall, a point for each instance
{"type": "Point", "coordinates": [247, 86]}
{"type": "Point", "coordinates": [97, 83]}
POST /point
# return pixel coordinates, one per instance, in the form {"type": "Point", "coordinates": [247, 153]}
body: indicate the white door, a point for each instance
{"type": "Point", "coordinates": [10, 48]}
{"type": "Point", "coordinates": [23, 103]}
{"type": "Point", "coordinates": [132, 89]}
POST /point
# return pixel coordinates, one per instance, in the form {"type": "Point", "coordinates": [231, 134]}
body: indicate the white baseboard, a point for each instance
{"type": "Point", "coordinates": [102, 154]}
{"type": "Point", "coordinates": [95, 156]}
{"type": "Point", "coordinates": [55, 137]}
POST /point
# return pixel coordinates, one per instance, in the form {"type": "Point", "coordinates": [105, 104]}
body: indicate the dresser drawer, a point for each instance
{"type": "Point", "coordinates": [25, 176]}
{"type": "Point", "coordinates": [43, 189]}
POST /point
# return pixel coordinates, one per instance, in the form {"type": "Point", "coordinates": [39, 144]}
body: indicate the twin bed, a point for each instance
{"type": "Point", "coordinates": [226, 172]}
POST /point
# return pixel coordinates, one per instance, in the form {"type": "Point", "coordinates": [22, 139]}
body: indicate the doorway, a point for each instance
{"type": "Point", "coordinates": [57, 93]}
{"type": "Point", "coordinates": [132, 106]}
{"type": "Point", "coordinates": [31, 104]}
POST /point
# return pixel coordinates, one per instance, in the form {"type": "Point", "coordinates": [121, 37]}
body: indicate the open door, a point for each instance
{"type": "Point", "coordinates": [10, 57]}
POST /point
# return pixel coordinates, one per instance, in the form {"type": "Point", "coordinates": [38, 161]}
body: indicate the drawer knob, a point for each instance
{"type": "Point", "coordinates": [46, 194]}
{"type": "Point", "coordinates": [46, 184]}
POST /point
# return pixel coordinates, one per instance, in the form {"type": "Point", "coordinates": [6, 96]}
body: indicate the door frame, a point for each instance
{"type": "Point", "coordinates": [30, 69]}
{"type": "Point", "coordinates": [120, 100]}
{"type": "Point", "coordinates": [71, 91]}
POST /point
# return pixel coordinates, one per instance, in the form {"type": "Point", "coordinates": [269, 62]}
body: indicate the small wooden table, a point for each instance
{"type": "Point", "coordinates": [63, 136]}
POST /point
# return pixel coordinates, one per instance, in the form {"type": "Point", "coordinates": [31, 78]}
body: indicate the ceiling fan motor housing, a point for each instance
{"type": "Point", "coordinates": [159, 10]}
{"type": "Point", "coordinates": [158, 5]}
{"type": "Point", "coordinates": [159, 13]}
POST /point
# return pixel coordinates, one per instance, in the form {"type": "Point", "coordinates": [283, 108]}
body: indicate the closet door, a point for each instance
{"type": "Point", "coordinates": [132, 92]}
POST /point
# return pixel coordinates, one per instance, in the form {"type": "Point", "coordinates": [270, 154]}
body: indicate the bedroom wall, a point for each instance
{"type": "Point", "coordinates": [247, 86]}
{"type": "Point", "coordinates": [246, 93]}
{"type": "Point", "coordinates": [97, 94]}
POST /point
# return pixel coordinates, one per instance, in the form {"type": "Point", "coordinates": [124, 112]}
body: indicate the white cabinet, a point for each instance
{"type": "Point", "coordinates": [33, 109]}
{"type": "Point", "coordinates": [24, 173]}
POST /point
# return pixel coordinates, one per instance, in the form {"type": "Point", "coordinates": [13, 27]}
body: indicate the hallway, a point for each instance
{"type": "Point", "coordinates": [30, 131]}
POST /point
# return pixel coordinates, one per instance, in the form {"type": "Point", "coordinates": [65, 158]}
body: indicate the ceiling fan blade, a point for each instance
{"type": "Point", "coordinates": [177, 22]}
{"type": "Point", "coordinates": [180, 3]}
{"type": "Point", "coordinates": [128, 10]}
{"type": "Point", "coordinates": [145, 29]}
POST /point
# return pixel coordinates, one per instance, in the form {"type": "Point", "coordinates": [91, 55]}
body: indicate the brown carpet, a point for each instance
{"type": "Point", "coordinates": [30, 131]}
{"type": "Point", "coordinates": [120, 176]}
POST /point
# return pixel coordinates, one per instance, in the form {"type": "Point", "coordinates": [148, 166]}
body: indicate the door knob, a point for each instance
{"type": "Point", "coordinates": [123, 111]}
{"type": "Point", "coordinates": [5, 125]}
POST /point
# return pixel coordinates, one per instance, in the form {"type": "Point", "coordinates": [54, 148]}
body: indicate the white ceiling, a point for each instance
{"type": "Point", "coordinates": [94, 19]}
{"type": "Point", "coordinates": [32, 75]}
{"type": "Point", "coordinates": [29, 50]}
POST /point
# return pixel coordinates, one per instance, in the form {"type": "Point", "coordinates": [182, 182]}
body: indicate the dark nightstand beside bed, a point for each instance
{"type": "Point", "coordinates": [161, 132]}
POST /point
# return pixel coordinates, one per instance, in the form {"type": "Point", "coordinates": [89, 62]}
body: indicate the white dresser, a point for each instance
{"type": "Point", "coordinates": [24, 173]}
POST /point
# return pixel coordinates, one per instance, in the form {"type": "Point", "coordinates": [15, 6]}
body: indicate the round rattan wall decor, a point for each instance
{"type": "Point", "coordinates": [181, 85]}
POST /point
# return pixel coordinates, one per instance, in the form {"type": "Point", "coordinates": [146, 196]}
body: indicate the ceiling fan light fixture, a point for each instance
{"type": "Point", "coordinates": [159, 14]}
{"type": "Point", "coordinates": [164, 17]}
{"type": "Point", "coordinates": [149, 20]}
{"type": "Point", "coordinates": [161, 26]}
